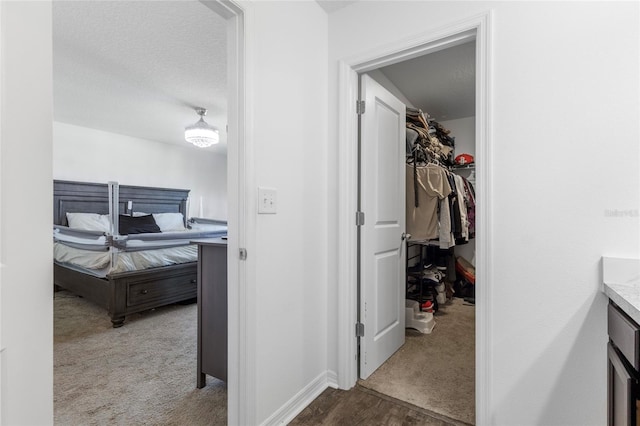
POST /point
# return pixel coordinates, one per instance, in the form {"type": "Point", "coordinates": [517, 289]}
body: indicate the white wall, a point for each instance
{"type": "Point", "coordinates": [464, 130]}
{"type": "Point", "coordinates": [287, 87]}
{"type": "Point", "coordinates": [26, 201]}
{"type": "Point", "coordinates": [90, 155]}
{"type": "Point", "coordinates": [565, 149]}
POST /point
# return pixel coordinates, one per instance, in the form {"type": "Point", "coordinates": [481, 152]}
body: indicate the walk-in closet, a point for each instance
{"type": "Point", "coordinates": [435, 368]}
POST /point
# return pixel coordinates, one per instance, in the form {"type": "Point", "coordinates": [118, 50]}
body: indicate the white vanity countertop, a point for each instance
{"type": "Point", "coordinates": [621, 283]}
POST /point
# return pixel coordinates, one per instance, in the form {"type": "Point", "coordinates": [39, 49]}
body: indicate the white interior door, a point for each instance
{"type": "Point", "coordinates": [382, 246]}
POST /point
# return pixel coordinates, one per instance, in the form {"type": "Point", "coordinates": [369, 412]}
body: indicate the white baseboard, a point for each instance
{"type": "Point", "coordinates": [300, 401]}
{"type": "Point", "coordinates": [332, 379]}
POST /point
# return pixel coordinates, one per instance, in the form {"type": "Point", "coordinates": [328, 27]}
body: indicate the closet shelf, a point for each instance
{"type": "Point", "coordinates": [465, 167]}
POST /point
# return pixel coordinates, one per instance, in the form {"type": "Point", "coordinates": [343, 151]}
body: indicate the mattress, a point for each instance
{"type": "Point", "coordinates": [100, 254]}
{"type": "Point", "coordinates": [99, 264]}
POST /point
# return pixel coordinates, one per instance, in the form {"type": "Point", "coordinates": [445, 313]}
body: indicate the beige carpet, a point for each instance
{"type": "Point", "coordinates": [143, 373]}
{"type": "Point", "coordinates": [435, 371]}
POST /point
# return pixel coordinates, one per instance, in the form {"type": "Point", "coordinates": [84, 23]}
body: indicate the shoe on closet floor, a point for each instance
{"type": "Point", "coordinates": [433, 275]}
{"type": "Point", "coordinates": [428, 306]}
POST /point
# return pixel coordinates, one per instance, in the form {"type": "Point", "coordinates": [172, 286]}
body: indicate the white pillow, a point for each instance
{"type": "Point", "coordinates": [89, 221]}
{"type": "Point", "coordinates": [169, 222]}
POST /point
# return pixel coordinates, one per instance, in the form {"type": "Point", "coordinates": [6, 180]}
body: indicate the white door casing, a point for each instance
{"type": "Point", "coordinates": [382, 245]}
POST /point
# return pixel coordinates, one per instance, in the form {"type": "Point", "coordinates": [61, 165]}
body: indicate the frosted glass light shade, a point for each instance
{"type": "Point", "coordinates": [201, 134]}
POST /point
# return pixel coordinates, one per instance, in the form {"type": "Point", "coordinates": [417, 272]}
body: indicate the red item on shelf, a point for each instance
{"type": "Point", "coordinates": [463, 159]}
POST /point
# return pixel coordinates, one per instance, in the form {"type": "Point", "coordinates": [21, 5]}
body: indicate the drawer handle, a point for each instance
{"type": "Point", "coordinates": [145, 291]}
{"type": "Point", "coordinates": [194, 281]}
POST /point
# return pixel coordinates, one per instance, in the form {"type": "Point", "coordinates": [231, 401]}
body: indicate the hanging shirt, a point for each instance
{"type": "Point", "coordinates": [462, 199]}
{"type": "Point", "coordinates": [471, 207]}
{"type": "Point", "coordinates": [445, 236]}
{"type": "Point", "coordinates": [432, 186]}
{"type": "Point", "coordinates": [456, 222]}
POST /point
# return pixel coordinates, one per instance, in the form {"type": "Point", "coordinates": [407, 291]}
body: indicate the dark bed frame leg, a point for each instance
{"type": "Point", "coordinates": [117, 322]}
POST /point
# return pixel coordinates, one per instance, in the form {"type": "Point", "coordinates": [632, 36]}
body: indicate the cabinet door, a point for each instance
{"type": "Point", "coordinates": [621, 390]}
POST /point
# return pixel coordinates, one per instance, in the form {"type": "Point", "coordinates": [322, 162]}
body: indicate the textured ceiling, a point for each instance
{"type": "Point", "coordinates": [440, 83]}
{"type": "Point", "coordinates": [139, 68]}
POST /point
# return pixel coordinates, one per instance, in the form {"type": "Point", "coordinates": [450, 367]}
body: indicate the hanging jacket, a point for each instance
{"type": "Point", "coordinates": [432, 186]}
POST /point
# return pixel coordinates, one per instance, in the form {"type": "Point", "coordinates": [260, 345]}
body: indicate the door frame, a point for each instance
{"type": "Point", "coordinates": [476, 27]}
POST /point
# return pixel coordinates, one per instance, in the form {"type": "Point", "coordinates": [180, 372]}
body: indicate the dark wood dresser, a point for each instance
{"type": "Point", "coordinates": [212, 309]}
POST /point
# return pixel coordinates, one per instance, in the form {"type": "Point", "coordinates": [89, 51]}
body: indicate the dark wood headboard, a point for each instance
{"type": "Point", "coordinates": [85, 197]}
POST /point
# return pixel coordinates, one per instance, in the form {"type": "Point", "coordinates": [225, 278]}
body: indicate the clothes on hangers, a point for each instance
{"type": "Point", "coordinates": [470, 200]}
{"type": "Point", "coordinates": [456, 222]}
{"type": "Point", "coordinates": [432, 186]}
{"type": "Point", "coordinates": [445, 236]}
{"type": "Point", "coordinates": [462, 209]}
{"type": "Point", "coordinates": [445, 207]}
{"type": "Point", "coordinates": [440, 204]}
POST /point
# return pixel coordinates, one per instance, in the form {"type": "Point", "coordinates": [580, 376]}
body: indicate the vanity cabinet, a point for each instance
{"type": "Point", "coordinates": [623, 372]}
{"type": "Point", "coordinates": [212, 310]}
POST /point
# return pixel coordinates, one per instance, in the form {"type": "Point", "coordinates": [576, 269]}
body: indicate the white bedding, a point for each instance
{"type": "Point", "coordinates": [99, 262]}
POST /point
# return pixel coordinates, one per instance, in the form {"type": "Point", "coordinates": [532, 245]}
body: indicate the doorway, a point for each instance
{"type": "Point", "coordinates": [432, 366]}
{"type": "Point", "coordinates": [232, 17]}
{"type": "Point", "coordinates": [476, 28]}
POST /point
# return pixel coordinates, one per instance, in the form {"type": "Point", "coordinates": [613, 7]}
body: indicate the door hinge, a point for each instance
{"type": "Point", "coordinates": [359, 218]}
{"type": "Point", "coordinates": [360, 107]}
{"type": "Point", "coordinates": [243, 254]}
{"type": "Point", "coordinates": [359, 329]}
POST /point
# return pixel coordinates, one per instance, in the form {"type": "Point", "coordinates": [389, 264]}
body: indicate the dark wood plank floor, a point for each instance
{"type": "Point", "coordinates": [361, 406]}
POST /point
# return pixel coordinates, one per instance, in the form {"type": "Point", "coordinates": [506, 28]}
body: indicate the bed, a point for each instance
{"type": "Point", "coordinates": [130, 272]}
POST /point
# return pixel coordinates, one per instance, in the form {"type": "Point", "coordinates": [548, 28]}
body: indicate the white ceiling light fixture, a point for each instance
{"type": "Point", "coordinates": [201, 134]}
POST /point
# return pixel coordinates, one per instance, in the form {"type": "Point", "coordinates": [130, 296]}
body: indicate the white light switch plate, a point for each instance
{"type": "Point", "coordinates": [267, 201]}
